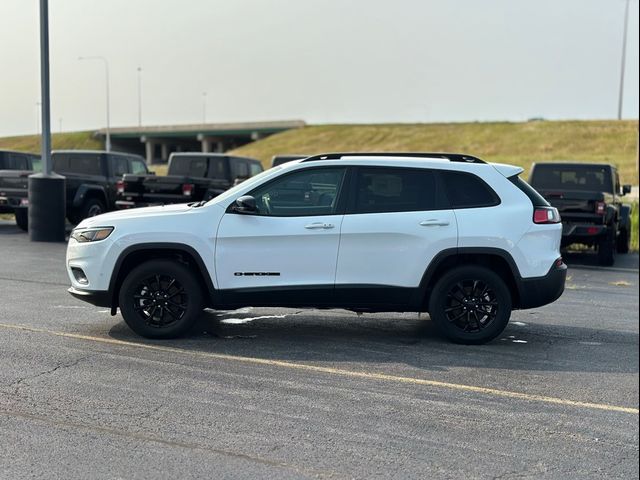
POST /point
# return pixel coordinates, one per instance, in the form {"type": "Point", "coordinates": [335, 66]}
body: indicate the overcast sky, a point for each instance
{"type": "Point", "coordinates": [323, 61]}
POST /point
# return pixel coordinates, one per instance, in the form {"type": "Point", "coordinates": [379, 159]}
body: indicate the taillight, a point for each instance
{"type": "Point", "coordinates": [601, 208]}
{"type": "Point", "coordinates": [187, 189]}
{"type": "Point", "coordinates": [120, 186]}
{"type": "Point", "coordinates": [542, 215]}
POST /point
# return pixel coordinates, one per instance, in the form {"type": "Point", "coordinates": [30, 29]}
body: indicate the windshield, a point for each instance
{"type": "Point", "coordinates": [572, 177]}
{"type": "Point", "coordinates": [246, 185]}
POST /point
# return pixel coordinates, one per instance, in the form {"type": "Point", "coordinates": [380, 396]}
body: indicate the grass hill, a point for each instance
{"type": "Point", "coordinates": [60, 141]}
{"type": "Point", "coordinates": [515, 143]}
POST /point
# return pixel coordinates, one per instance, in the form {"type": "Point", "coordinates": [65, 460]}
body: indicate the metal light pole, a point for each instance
{"type": "Point", "coordinates": [624, 59]}
{"type": "Point", "coordinates": [46, 202]}
{"type": "Point", "coordinates": [106, 72]}
{"type": "Point", "coordinates": [204, 107]}
{"type": "Point", "coordinates": [139, 96]}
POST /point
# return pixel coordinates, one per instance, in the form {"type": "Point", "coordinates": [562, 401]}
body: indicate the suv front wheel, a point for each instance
{"type": "Point", "coordinates": [160, 299]}
{"type": "Point", "coordinates": [470, 305]}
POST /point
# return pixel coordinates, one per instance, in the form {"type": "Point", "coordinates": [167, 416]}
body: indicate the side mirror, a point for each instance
{"type": "Point", "coordinates": [626, 189]}
{"type": "Point", "coordinates": [245, 204]}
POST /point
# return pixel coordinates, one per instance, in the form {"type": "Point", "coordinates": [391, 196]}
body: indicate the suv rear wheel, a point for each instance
{"type": "Point", "coordinates": [470, 305]}
{"type": "Point", "coordinates": [160, 299]}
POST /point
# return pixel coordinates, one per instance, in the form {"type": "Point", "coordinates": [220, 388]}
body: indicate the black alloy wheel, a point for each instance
{"type": "Point", "coordinates": [161, 299]}
{"type": "Point", "coordinates": [470, 305]}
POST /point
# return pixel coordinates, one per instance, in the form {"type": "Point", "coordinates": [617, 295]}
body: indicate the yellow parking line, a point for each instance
{"type": "Point", "coordinates": [336, 371]}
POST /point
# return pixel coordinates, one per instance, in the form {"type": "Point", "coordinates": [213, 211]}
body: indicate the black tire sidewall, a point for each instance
{"type": "Point", "coordinates": [607, 249]}
{"type": "Point", "coordinates": [86, 207]}
{"type": "Point", "coordinates": [22, 218]}
{"type": "Point", "coordinates": [164, 267]}
{"type": "Point", "coordinates": [624, 241]}
{"type": "Point", "coordinates": [438, 301]}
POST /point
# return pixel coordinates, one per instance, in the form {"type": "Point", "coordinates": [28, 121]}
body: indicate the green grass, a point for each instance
{"type": "Point", "coordinates": [515, 143]}
{"type": "Point", "coordinates": [59, 141]}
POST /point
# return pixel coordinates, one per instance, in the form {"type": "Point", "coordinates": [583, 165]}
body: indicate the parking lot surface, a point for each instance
{"type": "Point", "coordinates": [282, 393]}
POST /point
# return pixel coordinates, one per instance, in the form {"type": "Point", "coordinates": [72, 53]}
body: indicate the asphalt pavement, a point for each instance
{"type": "Point", "coordinates": [282, 393]}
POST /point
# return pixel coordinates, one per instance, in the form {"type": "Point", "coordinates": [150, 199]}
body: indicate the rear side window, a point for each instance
{"type": "Point", "coordinates": [217, 168]}
{"type": "Point", "coordinates": [84, 164]}
{"type": "Point", "coordinates": [240, 169]}
{"type": "Point", "coordinates": [536, 199]}
{"type": "Point", "coordinates": [465, 190]}
{"type": "Point", "coordinates": [188, 166]}
{"type": "Point", "coordinates": [381, 190]}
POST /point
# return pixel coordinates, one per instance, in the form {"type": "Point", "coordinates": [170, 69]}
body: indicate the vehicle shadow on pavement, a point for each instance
{"type": "Point", "coordinates": [343, 337]}
{"type": "Point", "coordinates": [589, 258]}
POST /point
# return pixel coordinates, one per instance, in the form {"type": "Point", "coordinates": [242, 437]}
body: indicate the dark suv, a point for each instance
{"type": "Point", "coordinates": [589, 199]}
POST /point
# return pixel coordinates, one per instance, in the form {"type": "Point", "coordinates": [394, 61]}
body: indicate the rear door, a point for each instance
{"type": "Point", "coordinates": [285, 253]}
{"type": "Point", "coordinates": [396, 221]}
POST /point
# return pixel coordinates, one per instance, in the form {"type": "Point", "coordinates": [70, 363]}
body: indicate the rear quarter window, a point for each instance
{"type": "Point", "coordinates": [536, 199]}
{"type": "Point", "coordinates": [82, 164]}
{"type": "Point", "coordinates": [465, 190]}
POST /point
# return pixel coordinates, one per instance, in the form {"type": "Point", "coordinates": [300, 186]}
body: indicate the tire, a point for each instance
{"type": "Point", "coordinates": [22, 218]}
{"type": "Point", "coordinates": [623, 242]}
{"type": "Point", "coordinates": [90, 208]}
{"type": "Point", "coordinates": [454, 292]}
{"type": "Point", "coordinates": [173, 296]}
{"type": "Point", "coordinates": [607, 249]}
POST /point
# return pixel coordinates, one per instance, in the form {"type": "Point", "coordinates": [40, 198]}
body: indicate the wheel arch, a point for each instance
{"type": "Point", "coordinates": [494, 259]}
{"type": "Point", "coordinates": [135, 255]}
{"type": "Point", "coordinates": [89, 191]}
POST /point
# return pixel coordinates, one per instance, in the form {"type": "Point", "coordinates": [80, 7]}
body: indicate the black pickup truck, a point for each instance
{"type": "Point", "coordinates": [191, 177]}
{"type": "Point", "coordinates": [91, 179]}
{"type": "Point", "coordinates": [588, 197]}
{"type": "Point", "coordinates": [15, 168]}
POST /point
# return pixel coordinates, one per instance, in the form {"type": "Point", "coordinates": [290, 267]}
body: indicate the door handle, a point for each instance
{"type": "Point", "coordinates": [318, 226]}
{"type": "Point", "coordinates": [433, 222]}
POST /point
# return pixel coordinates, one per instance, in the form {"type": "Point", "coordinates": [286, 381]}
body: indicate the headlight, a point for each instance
{"type": "Point", "coordinates": [91, 234]}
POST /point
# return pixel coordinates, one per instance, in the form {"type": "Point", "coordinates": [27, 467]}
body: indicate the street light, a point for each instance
{"type": "Point", "coordinates": [204, 107]}
{"type": "Point", "coordinates": [106, 72]}
{"type": "Point", "coordinates": [139, 96]}
{"type": "Point", "coordinates": [624, 59]}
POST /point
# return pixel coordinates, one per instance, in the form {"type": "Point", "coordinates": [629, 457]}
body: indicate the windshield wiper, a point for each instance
{"type": "Point", "coordinates": [197, 204]}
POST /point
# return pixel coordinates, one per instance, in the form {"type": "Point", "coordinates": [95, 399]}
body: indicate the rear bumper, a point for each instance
{"type": "Point", "coordinates": [539, 291]}
{"type": "Point", "coordinates": [574, 232]}
{"type": "Point", "coordinates": [99, 298]}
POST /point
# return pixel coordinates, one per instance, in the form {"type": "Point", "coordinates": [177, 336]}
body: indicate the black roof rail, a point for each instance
{"type": "Point", "coordinates": [452, 157]}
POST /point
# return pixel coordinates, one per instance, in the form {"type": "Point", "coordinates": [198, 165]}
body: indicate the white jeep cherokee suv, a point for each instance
{"type": "Point", "coordinates": [447, 234]}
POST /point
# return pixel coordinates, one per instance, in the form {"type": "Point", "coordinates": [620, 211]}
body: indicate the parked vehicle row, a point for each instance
{"type": "Point", "coordinates": [446, 234]}
{"type": "Point", "coordinates": [99, 182]}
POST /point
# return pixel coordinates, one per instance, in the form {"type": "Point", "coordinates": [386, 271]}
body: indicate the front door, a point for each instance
{"type": "Point", "coordinates": [286, 252]}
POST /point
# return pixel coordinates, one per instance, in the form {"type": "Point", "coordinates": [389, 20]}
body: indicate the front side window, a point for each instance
{"type": "Point", "coordinates": [138, 167]}
{"type": "Point", "coordinates": [120, 166]}
{"type": "Point", "coordinates": [380, 190]}
{"type": "Point", "coordinates": [302, 193]}
{"type": "Point", "coordinates": [255, 168]}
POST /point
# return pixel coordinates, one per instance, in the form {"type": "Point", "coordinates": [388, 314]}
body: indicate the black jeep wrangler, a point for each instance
{"type": "Point", "coordinates": [589, 199]}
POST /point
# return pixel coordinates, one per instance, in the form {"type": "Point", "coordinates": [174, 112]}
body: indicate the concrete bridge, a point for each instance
{"type": "Point", "coordinates": [156, 143]}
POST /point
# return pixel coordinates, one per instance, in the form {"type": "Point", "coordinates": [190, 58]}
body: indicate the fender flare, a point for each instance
{"type": "Point", "coordinates": [174, 246]}
{"type": "Point", "coordinates": [624, 219]}
{"type": "Point", "coordinates": [84, 190]}
{"type": "Point", "coordinates": [448, 253]}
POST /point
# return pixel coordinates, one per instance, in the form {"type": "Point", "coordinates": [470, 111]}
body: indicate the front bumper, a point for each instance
{"type": "Point", "coordinates": [539, 291]}
{"type": "Point", "coordinates": [99, 298]}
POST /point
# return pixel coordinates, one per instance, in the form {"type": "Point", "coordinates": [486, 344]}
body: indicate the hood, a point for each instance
{"type": "Point", "coordinates": [135, 213]}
